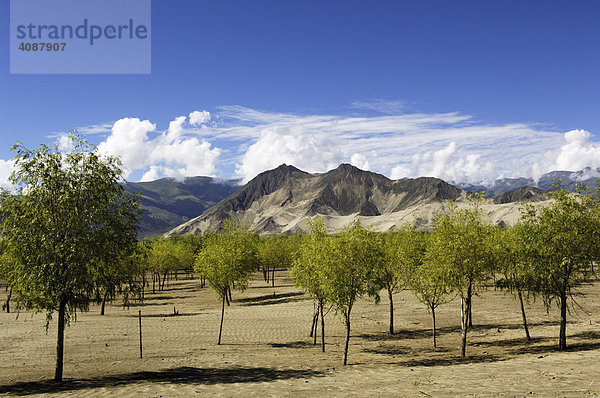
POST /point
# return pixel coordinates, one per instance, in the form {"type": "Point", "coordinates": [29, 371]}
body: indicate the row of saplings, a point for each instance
{"type": "Point", "coordinates": [548, 253]}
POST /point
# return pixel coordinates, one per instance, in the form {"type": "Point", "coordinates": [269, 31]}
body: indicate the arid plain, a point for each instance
{"type": "Point", "coordinates": [267, 350]}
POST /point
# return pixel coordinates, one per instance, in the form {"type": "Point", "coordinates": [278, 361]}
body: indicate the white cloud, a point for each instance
{"type": "Point", "coordinates": [381, 106]}
{"type": "Point", "coordinates": [360, 161]}
{"type": "Point", "coordinates": [577, 153]}
{"type": "Point", "coordinates": [129, 141]}
{"type": "Point", "coordinates": [6, 169]}
{"type": "Point", "coordinates": [170, 154]}
{"type": "Point", "coordinates": [64, 143]}
{"type": "Point", "coordinates": [307, 150]}
{"type": "Point", "coordinates": [197, 118]}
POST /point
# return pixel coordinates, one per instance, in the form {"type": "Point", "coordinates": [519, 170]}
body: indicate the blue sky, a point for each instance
{"type": "Point", "coordinates": [461, 90]}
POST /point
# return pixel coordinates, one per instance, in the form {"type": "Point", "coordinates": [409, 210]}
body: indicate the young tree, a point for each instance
{"type": "Point", "coordinates": [430, 282]}
{"type": "Point", "coordinates": [228, 259]}
{"type": "Point", "coordinates": [274, 251]}
{"type": "Point", "coordinates": [67, 220]}
{"type": "Point", "coordinates": [307, 270]}
{"type": "Point", "coordinates": [461, 243]}
{"type": "Point", "coordinates": [564, 244]}
{"type": "Point", "coordinates": [403, 251]}
{"type": "Point", "coordinates": [352, 262]}
{"type": "Point", "coordinates": [511, 245]}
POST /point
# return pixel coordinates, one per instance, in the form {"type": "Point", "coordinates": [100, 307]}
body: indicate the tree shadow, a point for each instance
{"type": "Point", "coordinates": [518, 341]}
{"type": "Point", "coordinates": [588, 335]}
{"type": "Point", "coordinates": [294, 344]}
{"type": "Point", "coordinates": [270, 299]}
{"type": "Point", "coordinates": [181, 375]}
{"type": "Point", "coordinates": [419, 333]}
{"type": "Point", "coordinates": [553, 348]}
{"type": "Point", "coordinates": [451, 361]}
{"type": "Point", "coordinates": [150, 298]}
{"type": "Point", "coordinates": [267, 286]}
{"type": "Point", "coordinates": [168, 315]}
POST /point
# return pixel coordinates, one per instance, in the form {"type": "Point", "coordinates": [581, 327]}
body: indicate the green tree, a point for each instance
{"type": "Point", "coordinates": [227, 259]}
{"type": "Point", "coordinates": [565, 242]}
{"type": "Point", "coordinates": [307, 270]}
{"type": "Point", "coordinates": [512, 259]}
{"type": "Point", "coordinates": [352, 261]}
{"type": "Point", "coordinates": [430, 281]}
{"type": "Point", "coordinates": [403, 251]}
{"type": "Point", "coordinates": [461, 242]}
{"type": "Point", "coordinates": [274, 251]}
{"type": "Point", "coordinates": [67, 220]}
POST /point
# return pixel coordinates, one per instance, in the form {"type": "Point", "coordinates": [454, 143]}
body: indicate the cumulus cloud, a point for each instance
{"type": "Point", "coordinates": [6, 169]}
{"type": "Point", "coordinates": [64, 143]}
{"type": "Point", "coordinates": [310, 151]}
{"type": "Point", "coordinates": [199, 117]}
{"type": "Point", "coordinates": [359, 160]}
{"type": "Point", "coordinates": [577, 152]}
{"type": "Point", "coordinates": [171, 153]}
{"type": "Point", "coordinates": [129, 141]}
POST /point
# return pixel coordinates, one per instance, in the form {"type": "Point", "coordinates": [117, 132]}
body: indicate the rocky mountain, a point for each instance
{"type": "Point", "coordinates": [280, 200]}
{"type": "Point", "coordinates": [530, 194]}
{"type": "Point", "coordinates": [566, 179]}
{"type": "Point", "coordinates": [167, 203]}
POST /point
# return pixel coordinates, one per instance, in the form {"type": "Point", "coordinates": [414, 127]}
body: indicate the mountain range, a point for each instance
{"type": "Point", "coordinates": [564, 179]}
{"type": "Point", "coordinates": [280, 200]}
{"type": "Point", "coordinates": [167, 203]}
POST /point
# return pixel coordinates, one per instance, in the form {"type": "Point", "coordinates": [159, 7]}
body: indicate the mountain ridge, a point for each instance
{"type": "Point", "coordinates": [281, 199]}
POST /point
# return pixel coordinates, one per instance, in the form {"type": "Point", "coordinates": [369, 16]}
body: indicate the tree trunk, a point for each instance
{"type": "Point", "coordinates": [229, 290]}
{"type": "Point", "coordinates": [8, 301]}
{"type": "Point", "coordinates": [104, 302]}
{"type": "Point", "coordinates": [524, 317]}
{"type": "Point", "coordinates": [222, 314]}
{"type": "Point", "coordinates": [322, 326]}
{"type": "Point", "coordinates": [433, 317]}
{"type": "Point", "coordinates": [60, 341]}
{"type": "Point", "coordinates": [347, 337]}
{"type": "Point", "coordinates": [562, 340]}
{"type": "Point", "coordinates": [163, 281]}
{"type": "Point", "coordinates": [390, 296]}
{"type": "Point", "coordinates": [470, 306]}
{"type": "Point", "coordinates": [273, 278]}
{"type": "Point", "coordinates": [312, 326]}
{"type": "Point", "coordinates": [466, 324]}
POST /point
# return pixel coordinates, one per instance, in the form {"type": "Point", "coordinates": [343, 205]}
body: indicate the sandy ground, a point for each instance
{"type": "Point", "coordinates": [266, 349]}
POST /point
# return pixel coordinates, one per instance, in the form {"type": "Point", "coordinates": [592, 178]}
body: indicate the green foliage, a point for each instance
{"type": "Point", "coordinates": [429, 280]}
{"type": "Point", "coordinates": [275, 251]}
{"type": "Point", "coordinates": [171, 254]}
{"type": "Point", "coordinates": [461, 243]}
{"type": "Point", "coordinates": [352, 261]}
{"type": "Point", "coordinates": [563, 242]}
{"type": "Point", "coordinates": [69, 225]}
{"type": "Point", "coordinates": [311, 256]}
{"type": "Point", "coordinates": [227, 258]}
{"type": "Point", "coordinates": [403, 251]}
